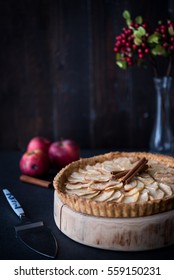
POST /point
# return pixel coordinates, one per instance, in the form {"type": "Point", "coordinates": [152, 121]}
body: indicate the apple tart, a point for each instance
{"type": "Point", "coordinates": [118, 184]}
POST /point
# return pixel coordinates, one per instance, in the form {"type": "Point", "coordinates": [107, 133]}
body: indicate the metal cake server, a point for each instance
{"type": "Point", "coordinates": [33, 234]}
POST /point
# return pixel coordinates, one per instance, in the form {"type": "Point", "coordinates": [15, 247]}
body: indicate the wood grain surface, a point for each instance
{"type": "Point", "coordinates": [58, 76]}
{"type": "Point", "coordinates": [123, 234]}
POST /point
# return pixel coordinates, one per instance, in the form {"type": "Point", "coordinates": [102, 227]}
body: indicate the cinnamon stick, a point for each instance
{"type": "Point", "coordinates": [35, 181]}
{"type": "Point", "coordinates": [139, 167]}
{"type": "Point", "coordinates": [119, 174]}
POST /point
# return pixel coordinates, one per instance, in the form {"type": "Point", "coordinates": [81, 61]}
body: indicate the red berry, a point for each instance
{"type": "Point", "coordinates": [141, 55]}
{"type": "Point", "coordinates": [165, 45]}
{"type": "Point", "coordinates": [146, 50]}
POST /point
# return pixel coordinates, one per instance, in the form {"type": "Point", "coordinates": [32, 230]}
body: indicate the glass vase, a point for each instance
{"type": "Point", "coordinates": [162, 135]}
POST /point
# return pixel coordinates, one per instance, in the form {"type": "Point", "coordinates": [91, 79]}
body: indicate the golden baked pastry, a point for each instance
{"type": "Point", "coordinates": [118, 184]}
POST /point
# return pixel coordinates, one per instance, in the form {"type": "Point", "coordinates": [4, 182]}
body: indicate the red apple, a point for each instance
{"type": "Point", "coordinates": [41, 143]}
{"type": "Point", "coordinates": [34, 163]}
{"type": "Point", "coordinates": [63, 152]}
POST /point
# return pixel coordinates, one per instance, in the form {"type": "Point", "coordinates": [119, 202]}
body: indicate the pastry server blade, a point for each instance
{"type": "Point", "coordinates": [33, 234]}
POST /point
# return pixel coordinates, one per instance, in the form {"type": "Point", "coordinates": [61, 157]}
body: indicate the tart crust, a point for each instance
{"type": "Point", "coordinates": [112, 209]}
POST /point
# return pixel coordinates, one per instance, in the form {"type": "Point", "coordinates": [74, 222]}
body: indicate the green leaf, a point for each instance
{"type": "Point", "coordinates": [171, 31]}
{"type": "Point", "coordinates": [128, 22]}
{"type": "Point", "coordinates": [139, 20]}
{"type": "Point", "coordinates": [122, 64]}
{"type": "Point", "coordinates": [126, 15]}
{"type": "Point", "coordinates": [154, 38]}
{"type": "Point", "coordinates": [118, 56]}
{"type": "Point", "coordinates": [158, 50]}
{"type": "Point", "coordinates": [140, 32]}
{"type": "Point", "coordinates": [137, 41]}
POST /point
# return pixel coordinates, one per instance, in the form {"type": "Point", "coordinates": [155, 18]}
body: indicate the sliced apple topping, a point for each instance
{"type": "Point", "coordinates": [130, 186]}
{"type": "Point", "coordinates": [132, 198]}
{"type": "Point", "coordinates": [123, 163]}
{"type": "Point", "coordinates": [77, 186]}
{"type": "Point", "coordinates": [140, 185]}
{"type": "Point", "coordinates": [115, 196]}
{"type": "Point", "coordinates": [115, 186]}
{"type": "Point", "coordinates": [98, 178]}
{"type": "Point", "coordinates": [102, 181]}
{"type": "Point", "coordinates": [156, 194]}
{"type": "Point", "coordinates": [92, 195]}
{"type": "Point", "coordinates": [103, 196]}
{"type": "Point", "coordinates": [108, 166]}
{"type": "Point", "coordinates": [144, 196]}
{"type": "Point", "coordinates": [166, 189]}
{"type": "Point", "coordinates": [164, 177]}
{"type": "Point", "coordinates": [133, 191]}
{"type": "Point", "coordinates": [153, 186]}
{"type": "Point", "coordinates": [81, 192]}
{"type": "Point", "coordinates": [106, 185]}
{"type": "Point", "coordinates": [77, 177]}
{"type": "Point", "coordinates": [92, 170]}
{"type": "Point", "coordinates": [120, 198]}
{"type": "Point", "coordinates": [146, 179]}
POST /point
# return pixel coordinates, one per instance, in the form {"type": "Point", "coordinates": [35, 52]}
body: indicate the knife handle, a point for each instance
{"type": "Point", "coordinates": [15, 205]}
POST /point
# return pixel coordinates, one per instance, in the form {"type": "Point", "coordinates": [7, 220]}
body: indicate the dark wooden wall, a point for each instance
{"type": "Point", "coordinates": [58, 76]}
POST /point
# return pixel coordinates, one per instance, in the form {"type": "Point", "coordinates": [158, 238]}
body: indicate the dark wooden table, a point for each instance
{"type": "Point", "coordinates": [38, 204]}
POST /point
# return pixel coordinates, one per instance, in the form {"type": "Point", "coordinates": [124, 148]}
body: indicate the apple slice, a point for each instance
{"type": "Point", "coordinates": [77, 186]}
{"type": "Point", "coordinates": [153, 186]}
{"type": "Point", "coordinates": [123, 163]}
{"type": "Point", "coordinates": [76, 177]}
{"type": "Point", "coordinates": [132, 198]}
{"type": "Point", "coordinates": [98, 178]}
{"type": "Point", "coordinates": [156, 194]}
{"type": "Point", "coordinates": [146, 179]}
{"type": "Point", "coordinates": [81, 192]}
{"type": "Point", "coordinates": [92, 170]}
{"type": "Point", "coordinates": [117, 185]}
{"type": "Point", "coordinates": [92, 195]}
{"type": "Point", "coordinates": [108, 166]}
{"type": "Point", "coordinates": [103, 196]}
{"type": "Point", "coordinates": [144, 196]}
{"type": "Point", "coordinates": [130, 186]}
{"type": "Point", "coordinates": [164, 177]}
{"type": "Point", "coordinates": [115, 196]}
{"type": "Point", "coordinates": [139, 187]}
{"type": "Point", "coordinates": [132, 191]}
{"type": "Point", "coordinates": [99, 167]}
{"type": "Point", "coordinates": [167, 189]}
{"type": "Point", "coordinates": [120, 198]}
{"type": "Point", "coordinates": [106, 185]}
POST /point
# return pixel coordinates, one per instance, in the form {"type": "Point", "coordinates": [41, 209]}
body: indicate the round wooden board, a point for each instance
{"type": "Point", "coordinates": [124, 234]}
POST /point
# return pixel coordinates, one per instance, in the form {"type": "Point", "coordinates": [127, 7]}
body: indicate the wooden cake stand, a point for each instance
{"type": "Point", "coordinates": [124, 234]}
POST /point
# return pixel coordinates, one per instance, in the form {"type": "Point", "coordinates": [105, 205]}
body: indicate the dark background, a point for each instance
{"type": "Point", "coordinates": [58, 76]}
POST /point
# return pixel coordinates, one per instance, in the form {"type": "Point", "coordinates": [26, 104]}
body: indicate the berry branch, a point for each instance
{"type": "Point", "coordinates": [138, 44]}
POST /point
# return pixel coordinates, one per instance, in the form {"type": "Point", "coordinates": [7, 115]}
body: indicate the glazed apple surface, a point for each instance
{"type": "Point", "coordinates": [37, 142]}
{"type": "Point", "coordinates": [34, 163]}
{"type": "Point", "coordinates": [63, 152]}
